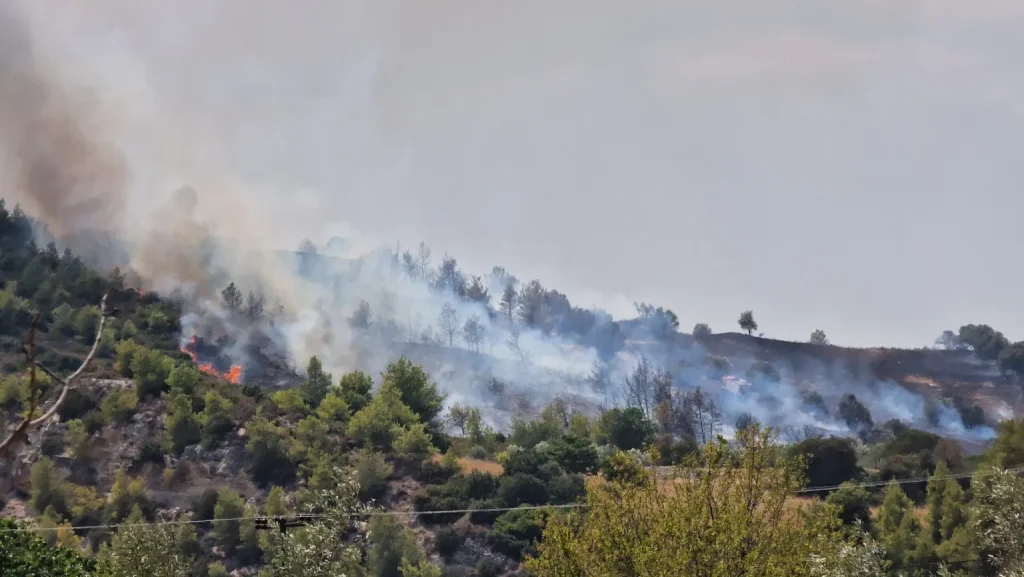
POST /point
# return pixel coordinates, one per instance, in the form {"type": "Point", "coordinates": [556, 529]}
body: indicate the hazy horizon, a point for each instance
{"type": "Point", "coordinates": [847, 168]}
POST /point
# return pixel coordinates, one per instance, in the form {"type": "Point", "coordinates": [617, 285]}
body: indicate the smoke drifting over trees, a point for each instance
{"type": "Point", "coordinates": [358, 307]}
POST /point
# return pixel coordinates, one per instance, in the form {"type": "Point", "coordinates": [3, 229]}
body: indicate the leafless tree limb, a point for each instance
{"type": "Point", "coordinates": [21, 431]}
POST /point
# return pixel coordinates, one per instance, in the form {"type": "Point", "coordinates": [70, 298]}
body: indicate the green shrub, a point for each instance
{"type": "Point", "coordinates": [215, 418]}
{"type": "Point", "coordinates": [77, 438]}
{"type": "Point", "coordinates": [447, 541]}
{"type": "Point", "coordinates": [517, 532]}
{"type": "Point", "coordinates": [150, 453]}
{"type": "Point", "coordinates": [436, 472]}
{"type": "Point", "coordinates": [525, 461]}
{"type": "Point", "coordinates": [488, 567]}
{"type": "Point", "coordinates": [522, 489]}
{"type": "Point", "coordinates": [47, 490]}
{"type": "Point", "coordinates": [371, 472]}
{"type": "Point", "coordinates": [181, 423]}
{"type": "Point", "coordinates": [119, 404]}
{"type": "Point", "coordinates": [94, 421]}
{"type": "Point", "coordinates": [150, 370]}
{"type": "Point", "coordinates": [76, 405]}
{"type": "Point", "coordinates": [268, 452]}
{"type": "Point", "coordinates": [204, 506]}
{"type": "Point", "coordinates": [457, 493]}
{"type": "Point", "coordinates": [123, 353]}
{"type": "Point", "coordinates": [87, 320]}
{"type": "Point", "coordinates": [566, 489]}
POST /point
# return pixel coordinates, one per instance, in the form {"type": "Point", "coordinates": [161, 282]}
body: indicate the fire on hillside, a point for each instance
{"type": "Point", "coordinates": [206, 357]}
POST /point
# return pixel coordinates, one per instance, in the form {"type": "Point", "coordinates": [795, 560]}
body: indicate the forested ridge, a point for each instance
{"type": "Point", "coordinates": [155, 464]}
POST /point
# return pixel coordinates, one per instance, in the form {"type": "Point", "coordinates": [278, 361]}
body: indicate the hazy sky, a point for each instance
{"type": "Point", "coordinates": [851, 166]}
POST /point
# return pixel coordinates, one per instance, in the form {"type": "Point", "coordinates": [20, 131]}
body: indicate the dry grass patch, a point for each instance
{"type": "Point", "coordinates": [469, 465]}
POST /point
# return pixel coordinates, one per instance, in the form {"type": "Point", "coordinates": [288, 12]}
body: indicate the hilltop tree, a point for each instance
{"type": "Point", "coordinates": [747, 322]}
{"type": "Point", "coordinates": [1011, 359]}
{"type": "Point", "coordinates": [950, 341]}
{"type": "Point", "coordinates": [665, 318]}
{"type": "Point", "coordinates": [701, 330]}
{"type": "Point", "coordinates": [448, 320]}
{"type": "Point", "coordinates": [231, 297]}
{"type": "Point", "coordinates": [818, 338]}
{"type": "Point", "coordinates": [531, 308]}
{"type": "Point", "coordinates": [509, 302]}
{"type": "Point", "coordinates": [449, 279]}
{"type": "Point", "coordinates": [478, 293]}
{"type": "Point", "coordinates": [985, 341]}
{"type": "Point", "coordinates": [473, 333]}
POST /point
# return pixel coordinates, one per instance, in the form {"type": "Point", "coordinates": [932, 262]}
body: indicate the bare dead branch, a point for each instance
{"type": "Point", "coordinates": [21, 431]}
{"type": "Point", "coordinates": [30, 351]}
{"type": "Point", "coordinates": [81, 369]}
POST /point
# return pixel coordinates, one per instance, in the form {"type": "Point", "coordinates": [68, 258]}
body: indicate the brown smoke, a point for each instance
{"type": "Point", "coordinates": [60, 166]}
{"type": "Point", "coordinates": [170, 253]}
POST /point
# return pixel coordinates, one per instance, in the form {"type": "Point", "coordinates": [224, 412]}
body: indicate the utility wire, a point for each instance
{"type": "Point", "coordinates": [392, 513]}
{"type": "Point", "coordinates": [907, 481]}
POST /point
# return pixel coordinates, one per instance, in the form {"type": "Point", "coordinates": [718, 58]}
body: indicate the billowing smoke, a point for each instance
{"type": "Point", "coordinates": [359, 309]}
{"type": "Point", "coordinates": [54, 150]}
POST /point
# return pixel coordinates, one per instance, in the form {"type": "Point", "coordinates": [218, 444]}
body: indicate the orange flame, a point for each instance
{"type": "Point", "coordinates": [233, 375]}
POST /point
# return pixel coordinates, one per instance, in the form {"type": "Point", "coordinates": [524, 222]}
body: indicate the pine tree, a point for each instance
{"type": "Point", "coordinates": [898, 528]}
{"type": "Point", "coordinates": [317, 383]}
{"type": "Point", "coordinates": [935, 495]}
{"type": "Point", "coordinates": [954, 516]}
{"type": "Point", "coordinates": [181, 424]}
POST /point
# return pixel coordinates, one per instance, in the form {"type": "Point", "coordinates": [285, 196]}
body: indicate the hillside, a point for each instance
{"type": "Point", "coordinates": [194, 409]}
{"type": "Point", "coordinates": [930, 372]}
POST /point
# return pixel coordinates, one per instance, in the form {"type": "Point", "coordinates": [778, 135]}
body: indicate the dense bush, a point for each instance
{"type": "Point", "coordinates": [829, 462]}
{"type": "Point", "coordinates": [516, 532]}
{"type": "Point", "coordinates": [627, 428]}
{"type": "Point", "coordinates": [447, 542]}
{"type": "Point", "coordinates": [457, 493]}
{"type": "Point", "coordinates": [574, 454]}
{"type": "Point", "coordinates": [522, 489]}
{"type": "Point", "coordinates": [566, 489]}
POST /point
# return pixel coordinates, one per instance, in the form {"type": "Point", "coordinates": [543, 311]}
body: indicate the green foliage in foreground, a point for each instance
{"type": "Point", "coordinates": [26, 554]}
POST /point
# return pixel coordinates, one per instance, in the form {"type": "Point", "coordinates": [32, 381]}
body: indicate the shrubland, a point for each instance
{"type": "Point", "coordinates": [153, 466]}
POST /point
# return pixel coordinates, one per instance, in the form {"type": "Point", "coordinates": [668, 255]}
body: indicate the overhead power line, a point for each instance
{"type": "Point", "coordinates": [268, 521]}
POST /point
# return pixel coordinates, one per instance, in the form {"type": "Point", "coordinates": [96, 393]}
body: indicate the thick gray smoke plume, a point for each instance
{"type": "Point", "coordinates": [352, 307]}
{"type": "Point", "coordinates": [54, 149]}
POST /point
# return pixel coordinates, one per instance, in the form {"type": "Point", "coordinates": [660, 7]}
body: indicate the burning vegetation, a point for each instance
{"type": "Point", "coordinates": [233, 374]}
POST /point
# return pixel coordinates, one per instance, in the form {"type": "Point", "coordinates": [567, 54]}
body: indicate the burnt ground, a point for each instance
{"type": "Point", "coordinates": [924, 371]}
